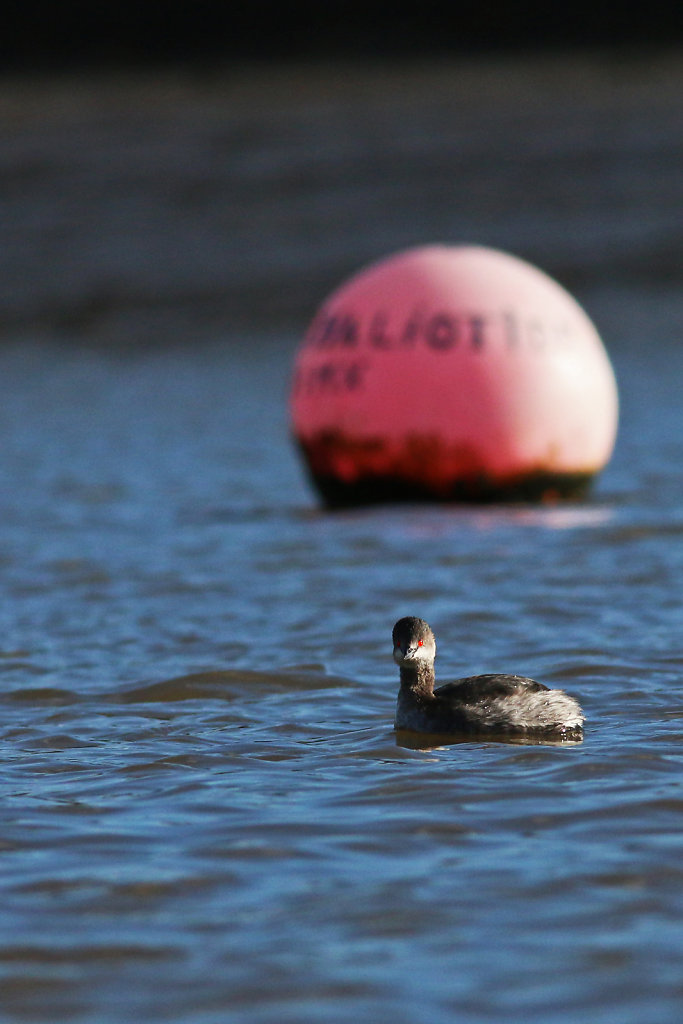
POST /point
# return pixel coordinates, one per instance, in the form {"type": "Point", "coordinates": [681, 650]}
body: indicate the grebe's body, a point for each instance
{"type": "Point", "coordinates": [503, 704]}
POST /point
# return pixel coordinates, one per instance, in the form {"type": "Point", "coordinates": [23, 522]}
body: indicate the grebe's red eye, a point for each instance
{"type": "Point", "coordinates": [419, 643]}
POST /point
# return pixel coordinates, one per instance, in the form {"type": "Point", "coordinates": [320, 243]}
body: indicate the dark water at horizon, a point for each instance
{"type": "Point", "coordinates": [205, 813]}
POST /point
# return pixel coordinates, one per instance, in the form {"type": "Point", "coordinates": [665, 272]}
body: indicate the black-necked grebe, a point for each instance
{"type": "Point", "coordinates": [489, 704]}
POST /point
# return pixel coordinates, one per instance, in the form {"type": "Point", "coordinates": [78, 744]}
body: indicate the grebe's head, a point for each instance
{"type": "Point", "coordinates": [413, 641]}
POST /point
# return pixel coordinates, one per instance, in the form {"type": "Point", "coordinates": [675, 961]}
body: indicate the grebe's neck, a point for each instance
{"type": "Point", "coordinates": [418, 678]}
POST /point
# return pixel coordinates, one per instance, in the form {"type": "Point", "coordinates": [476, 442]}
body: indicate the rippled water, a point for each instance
{"type": "Point", "coordinates": [205, 813]}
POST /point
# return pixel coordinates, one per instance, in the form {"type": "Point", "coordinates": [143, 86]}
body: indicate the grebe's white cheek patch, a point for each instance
{"type": "Point", "coordinates": [425, 652]}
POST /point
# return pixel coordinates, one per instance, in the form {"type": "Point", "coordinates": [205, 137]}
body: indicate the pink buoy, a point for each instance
{"type": "Point", "coordinates": [452, 373]}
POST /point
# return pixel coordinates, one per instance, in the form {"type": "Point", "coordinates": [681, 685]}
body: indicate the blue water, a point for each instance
{"type": "Point", "coordinates": [205, 814]}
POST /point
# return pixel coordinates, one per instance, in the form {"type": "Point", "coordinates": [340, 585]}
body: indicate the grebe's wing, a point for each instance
{"type": "Point", "coordinates": [475, 689]}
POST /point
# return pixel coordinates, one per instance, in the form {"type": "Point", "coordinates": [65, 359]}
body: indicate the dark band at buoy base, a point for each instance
{"type": "Point", "coordinates": [368, 487]}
